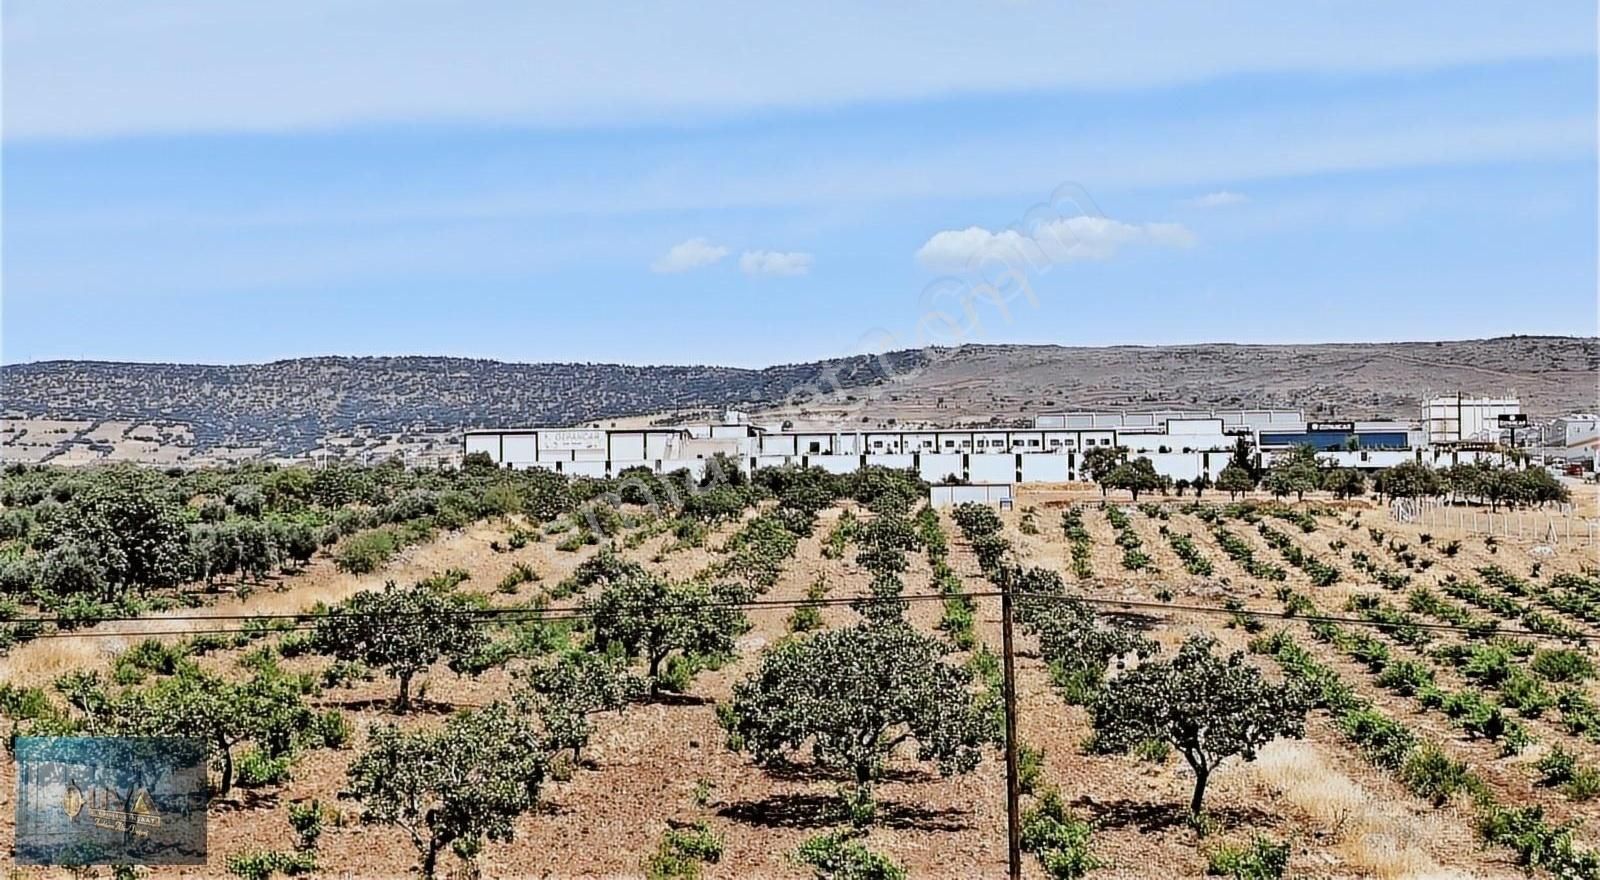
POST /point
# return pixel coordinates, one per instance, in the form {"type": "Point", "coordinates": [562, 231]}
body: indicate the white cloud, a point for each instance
{"type": "Point", "coordinates": [692, 254]}
{"type": "Point", "coordinates": [776, 263]}
{"type": "Point", "coordinates": [1057, 241]}
{"type": "Point", "coordinates": [1219, 199]}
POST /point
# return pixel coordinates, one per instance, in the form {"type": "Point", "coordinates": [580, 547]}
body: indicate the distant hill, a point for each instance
{"type": "Point", "coordinates": [290, 407]}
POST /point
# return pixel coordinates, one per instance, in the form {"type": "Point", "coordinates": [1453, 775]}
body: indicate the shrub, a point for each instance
{"type": "Point", "coordinates": [1562, 665]}
{"type": "Point", "coordinates": [1431, 774]}
{"type": "Point", "coordinates": [681, 852]}
{"type": "Point", "coordinates": [256, 769]}
{"type": "Point", "coordinates": [836, 856]}
{"type": "Point", "coordinates": [305, 817]}
{"type": "Point", "coordinates": [262, 865]}
{"type": "Point", "coordinates": [364, 552]}
{"type": "Point", "coordinates": [1261, 859]}
{"type": "Point", "coordinates": [1059, 839]}
{"type": "Point", "coordinates": [1030, 767]}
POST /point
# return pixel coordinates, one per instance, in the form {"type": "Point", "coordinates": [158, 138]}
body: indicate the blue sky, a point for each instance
{"type": "Point", "coordinates": [726, 183]}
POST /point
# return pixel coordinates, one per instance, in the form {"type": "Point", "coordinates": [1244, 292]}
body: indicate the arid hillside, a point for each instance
{"type": "Point", "coordinates": [82, 411]}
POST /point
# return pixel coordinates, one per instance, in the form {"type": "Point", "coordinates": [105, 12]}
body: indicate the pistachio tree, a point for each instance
{"type": "Point", "coordinates": [646, 616]}
{"type": "Point", "coordinates": [565, 692]}
{"type": "Point", "coordinates": [1208, 708]}
{"type": "Point", "coordinates": [852, 696]}
{"type": "Point", "coordinates": [402, 631]}
{"type": "Point", "coordinates": [454, 787]}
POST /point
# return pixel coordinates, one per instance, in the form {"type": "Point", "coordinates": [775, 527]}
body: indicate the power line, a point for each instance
{"type": "Point", "coordinates": [309, 620]}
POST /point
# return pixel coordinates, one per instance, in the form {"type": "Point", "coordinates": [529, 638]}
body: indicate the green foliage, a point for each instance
{"type": "Point", "coordinates": [648, 617]}
{"type": "Point", "coordinates": [452, 787]}
{"type": "Point", "coordinates": [1562, 665]}
{"type": "Point", "coordinates": [365, 552]}
{"type": "Point", "coordinates": [256, 769]}
{"type": "Point", "coordinates": [1261, 859]}
{"type": "Point", "coordinates": [1206, 707]}
{"type": "Point", "coordinates": [263, 865]}
{"type": "Point", "coordinates": [1430, 773]}
{"type": "Point", "coordinates": [836, 856]}
{"type": "Point", "coordinates": [402, 631]}
{"type": "Point", "coordinates": [849, 696]}
{"type": "Point", "coordinates": [682, 851]}
{"type": "Point", "coordinates": [1060, 840]}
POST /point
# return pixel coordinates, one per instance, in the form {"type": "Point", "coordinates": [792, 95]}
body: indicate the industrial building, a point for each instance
{"type": "Point", "coordinates": [1458, 418]}
{"type": "Point", "coordinates": [1183, 445]}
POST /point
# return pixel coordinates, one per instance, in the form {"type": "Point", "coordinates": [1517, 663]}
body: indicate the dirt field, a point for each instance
{"type": "Point", "coordinates": [1343, 817]}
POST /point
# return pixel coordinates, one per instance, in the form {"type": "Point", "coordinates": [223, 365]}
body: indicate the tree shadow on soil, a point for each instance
{"type": "Point", "coordinates": [664, 699]}
{"type": "Point", "coordinates": [818, 810]}
{"type": "Point", "coordinates": [241, 800]}
{"type": "Point", "coordinates": [1148, 816]}
{"type": "Point", "coordinates": [797, 772]}
{"type": "Point", "coordinates": [385, 705]}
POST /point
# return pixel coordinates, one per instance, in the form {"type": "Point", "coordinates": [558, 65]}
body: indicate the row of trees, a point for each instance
{"type": "Point", "coordinates": [1300, 471]}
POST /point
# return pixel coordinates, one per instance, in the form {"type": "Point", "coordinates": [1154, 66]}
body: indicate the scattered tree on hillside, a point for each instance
{"type": "Point", "coordinates": [565, 692]}
{"type": "Point", "coordinates": [647, 616]}
{"type": "Point", "coordinates": [1206, 707]}
{"type": "Point", "coordinates": [1099, 461]}
{"type": "Point", "coordinates": [456, 787]}
{"type": "Point", "coordinates": [401, 631]}
{"type": "Point", "coordinates": [1076, 643]}
{"type": "Point", "coordinates": [851, 696]}
{"type": "Point", "coordinates": [1409, 479]}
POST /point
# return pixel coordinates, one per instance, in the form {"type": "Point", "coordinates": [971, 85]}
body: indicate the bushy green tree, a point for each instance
{"type": "Point", "coordinates": [1409, 479]}
{"type": "Point", "coordinates": [1135, 476]}
{"type": "Point", "coordinates": [1296, 473]}
{"type": "Point", "coordinates": [649, 617]}
{"type": "Point", "coordinates": [566, 691]}
{"type": "Point", "coordinates": [1076, 643]}
{"type": "Point", "coordinates": [1208, 708]}
{"type": "Point", "coordinates": [852, 696]}
{"type": "Point", "coordinates": [1235, 480]}
{"type": "Point", "coordinates": [1099, 462]}
{"type": "Point", "coordinates": [402, 631]}
{"type": "Point", "coordinates": [1345, 482]}
{"type": "Point", "coordinates": [451, 788]}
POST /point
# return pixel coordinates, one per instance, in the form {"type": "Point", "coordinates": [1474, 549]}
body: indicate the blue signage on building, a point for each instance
{"type": "Point", "coordinates": [110, 801]}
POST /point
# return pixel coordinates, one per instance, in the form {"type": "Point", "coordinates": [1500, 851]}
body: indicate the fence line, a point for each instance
{"type": "Point", "coordinates": [1550, 526]}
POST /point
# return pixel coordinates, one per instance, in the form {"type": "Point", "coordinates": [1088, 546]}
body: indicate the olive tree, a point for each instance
{"type": "Point", "coordinates": [649, 617]}
{"type": "Point", "coordinates": [853, 696]}
{"type": "Point", "coordinates": [1206, 707]}
{"type": "Point", "coordinates": [401, 631]}
{"type": "Point", "coordinates": [455, 787]}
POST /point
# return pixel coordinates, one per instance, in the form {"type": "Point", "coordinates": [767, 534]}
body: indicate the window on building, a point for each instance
{"type": "Point", "coordinates": [949, 444]}
{"type": "Point", "coordinates": [1033, 443]}
{"type": "Point", "coordinates": [815, 447]}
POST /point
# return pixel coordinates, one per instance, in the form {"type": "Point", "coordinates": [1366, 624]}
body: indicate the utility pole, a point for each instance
{"type": "Point", "coordinates": [1013, 786]}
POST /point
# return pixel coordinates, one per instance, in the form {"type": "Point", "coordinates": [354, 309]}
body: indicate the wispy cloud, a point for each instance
{"type": "Point", "coordinates": [692, 254]}
{"type": "Point", "coordinates": [75, 68]}
{"type": "Point", "coordinates": [1219, 199]}
{"type": "Point", "coordinates": [775, 263]}
{"type": "Point", "coordinates": [1058, 241]}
